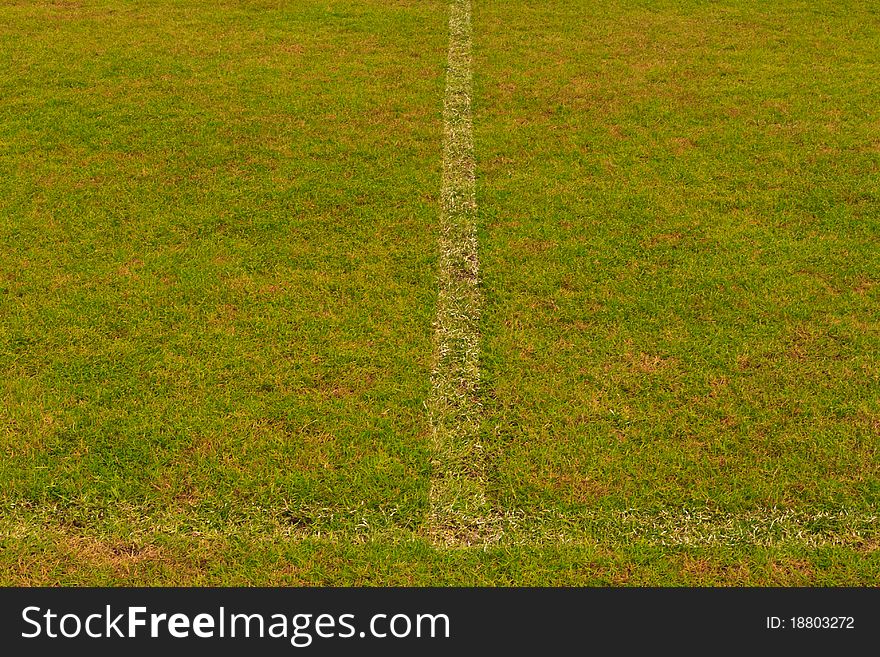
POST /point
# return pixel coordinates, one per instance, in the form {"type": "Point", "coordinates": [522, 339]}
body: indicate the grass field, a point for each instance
{"type": "Point", "coordinates": [219, 271]}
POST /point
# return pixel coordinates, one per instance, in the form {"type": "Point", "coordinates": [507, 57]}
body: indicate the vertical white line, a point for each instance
{"type": "Point", "coordinates": [459, 512]}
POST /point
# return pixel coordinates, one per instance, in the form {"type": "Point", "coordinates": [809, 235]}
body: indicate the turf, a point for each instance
{"type": "Point", "coordinates": [218, 227]}
{"type": "Point", "coordinates": [680, 245]}
{"type": "Point", "coordinates": [218, 230]}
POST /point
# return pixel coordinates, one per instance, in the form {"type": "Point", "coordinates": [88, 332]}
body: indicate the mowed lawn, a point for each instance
{"type": "Point", "coordinates": [680, 211]}
{"type": "Point", "coordinates": [218, 228]}
{"type": "Point", "coordinates": [217, 246]}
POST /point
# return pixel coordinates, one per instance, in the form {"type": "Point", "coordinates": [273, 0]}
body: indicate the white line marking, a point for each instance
{"type": "Point", "coordinates": [698, 527]}
{"type": "Point", "coordinates": [458, 512]}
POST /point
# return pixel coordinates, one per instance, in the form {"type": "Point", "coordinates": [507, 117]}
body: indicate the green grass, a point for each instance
{"type": "Point", "coordinates": [218, 227]}
{"type": "Point", "coordinates": [680, 234]}
{"type": "Point", "coordinates": [217, 254]}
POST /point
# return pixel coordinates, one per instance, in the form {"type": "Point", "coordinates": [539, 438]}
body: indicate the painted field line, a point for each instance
{"type": "Point", "coordinates": [695, 527]}
{"type": "Point", "coordinates": [459, 512]}
{"type": "Point", "coordinates": [770, 527]}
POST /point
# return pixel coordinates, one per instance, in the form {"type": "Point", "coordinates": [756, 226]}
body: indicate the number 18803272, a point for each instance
{"type": "Point", "coordinates": [811, 623]}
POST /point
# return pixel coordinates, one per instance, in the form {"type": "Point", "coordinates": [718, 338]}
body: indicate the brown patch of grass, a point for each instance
{"type": "Point", "coordinates": [577, 488]}
{"type": "Point", "coordinates": [616, 132]}
{"type": "Point", "coordinates": [863, 284]}
{"type": "Point", "coordinates": [680, 145]}
{"type": "Point", "coordinates": [670, 239]}
{"type": "Point", "coordinates": [648, 364]}
{"type": "Point", "coordinates": [794, 572]}
{"type": "Point", "coordinates": [564, 345]}
{"type": "Point", "coordinates": [292, 48]}
{"type": "Point", "coordinates": [706, 572]}
{"type": "Point", "coordinates": [621, 576]}
{"type": "Point", "coordinates": [129, 268]}
{"type": "Point", "coordinates": [528, 245]}
{"type": "Point", "coordinates": [287, 575]}
{"type": "Point", "coordinates": [271, 289]}
{"type": "Point", "coordinates": [717, 384]}
{"type": "Point", "coordinates": [224, 318]}
{"type": "Point", "coordinates": [83, 558]}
